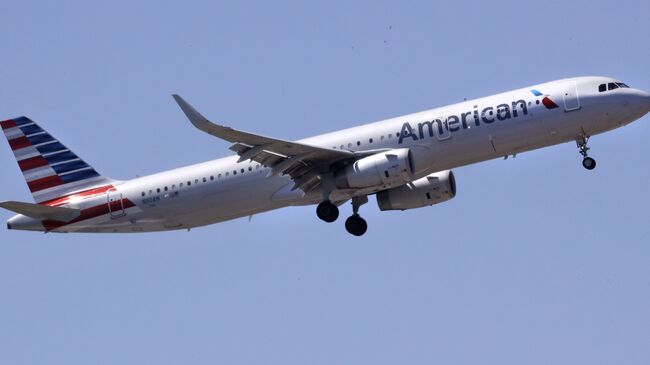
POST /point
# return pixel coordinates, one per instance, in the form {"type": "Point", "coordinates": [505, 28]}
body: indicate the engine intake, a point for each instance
{"type": "Point", "coordinates": [429, 190]}
{"type": "Point", "coordinates": [383, 169]}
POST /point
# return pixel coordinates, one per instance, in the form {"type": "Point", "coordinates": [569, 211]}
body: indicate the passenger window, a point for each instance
{"type": "Point", "coordinates": [370, 140]}
{"type": "Point", "coordinates": [211, 177]}
{"type": "Point", "coordinates": [234, 172]}
{"type": "Point", "coordinates": [173, 186]}
{"type": "Point", "coordinates": [189, 183]}
{"type": "Point", "coordinates": [219, 176]}
{"type": "Point", "coordinates": [165, 188]}
{"type": "Point", "coordinates": [250, 168]}
{"type": "Point", "coordinates": [181, 185]}
{"type": "Point", "coordinates": [150, 192]}
{"type": "Point", "coordinates": [612, 86]}
{"type": "Point", "coordinates": [358, 143]}
{"type": "Point", "coordinates": [602, 88]}
{"type": "Point", "coordinates": [158, 190]}
{"type": "Point", "coordinates": [342, 146]}
{"type": "Point", "coordinates": [204, 179]}
{"type": "Point", "coordinates": [242, 171]}
{"type": "Point", "coordinates": [143, 193]}
{"type": "Point", "coordinates": [381, 138]}
{"type": "Point", "coordinates": [349, 145]}
{"type": "Point", "coordinates": [227, 173]}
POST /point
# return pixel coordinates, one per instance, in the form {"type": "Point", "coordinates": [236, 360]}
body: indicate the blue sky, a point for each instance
{"type": "Point", "coordinates": [535, 261]}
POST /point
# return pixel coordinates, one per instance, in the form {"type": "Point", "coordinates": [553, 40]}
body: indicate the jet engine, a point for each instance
{"type": "Point", "coordinates": [383, 169]}
{"type": "Point", "coordinates": [429, 190]}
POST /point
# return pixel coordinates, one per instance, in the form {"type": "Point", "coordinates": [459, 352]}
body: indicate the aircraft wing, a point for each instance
{"type": "Point", "coordinates": [304, 163]}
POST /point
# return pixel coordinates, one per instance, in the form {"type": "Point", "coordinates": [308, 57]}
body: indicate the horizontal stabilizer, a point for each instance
{"type": "Point", "coordinates": [38, 211]}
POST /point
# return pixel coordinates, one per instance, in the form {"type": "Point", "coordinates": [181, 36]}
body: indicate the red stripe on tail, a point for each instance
{"type": "Point", "coordinates": [6, 124]}
{"type": "Point", "coordinates": [20, 142]}
{"type": "Point", "coordinates": [32, 163]}
{"type": "Point", "coordinates": [44, 183]}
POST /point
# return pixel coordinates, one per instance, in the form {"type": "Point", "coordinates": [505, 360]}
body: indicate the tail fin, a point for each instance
{"type": "Point", "coordinates": [50, 169]}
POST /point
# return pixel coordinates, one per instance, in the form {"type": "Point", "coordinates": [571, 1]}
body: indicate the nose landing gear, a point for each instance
{"type": "Point", "coordinates": [587, 162]}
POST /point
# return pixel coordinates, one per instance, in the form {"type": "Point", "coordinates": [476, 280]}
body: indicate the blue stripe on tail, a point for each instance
{"type": "Point", "coordinates": [51, 147]}
{"type": "Point", "coordinates": [69, 166]}
{"type": "Point", "coordinates": [40, 138]}
{"type": "Point", "coordinates": [60, 157]}
{"type": "Point", "coordinates": [22, 121]}
{"type": "Point", "coordinates": [31, 129]}
{"type": "Point", "coordinates": [79, 175]}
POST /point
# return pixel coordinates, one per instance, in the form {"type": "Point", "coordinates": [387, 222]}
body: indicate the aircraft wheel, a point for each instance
{"type": "Point", "coordinates": [356, 225]}
{"type": "Point", "coordinates": [589, 163]}
{"type": "Point", "coordinates": [327, 211]}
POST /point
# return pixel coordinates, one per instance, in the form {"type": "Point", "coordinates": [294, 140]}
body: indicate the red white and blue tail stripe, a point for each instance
{"type": "Point", "coordinates": [50, 168]}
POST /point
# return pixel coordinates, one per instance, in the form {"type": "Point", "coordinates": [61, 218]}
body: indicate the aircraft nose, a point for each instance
{"type": "Point", "coordinates": [640, 99]}
{"type": "Point", "coordinates": [645, 100]}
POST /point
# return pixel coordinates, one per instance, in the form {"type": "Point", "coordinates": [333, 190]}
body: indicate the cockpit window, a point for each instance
{"type": "Point", "coordinates": [602, 87]}
{"type": "Point", "coordinates": [622, 85]}
{"type": "Point", "coordinates": [612, 86]}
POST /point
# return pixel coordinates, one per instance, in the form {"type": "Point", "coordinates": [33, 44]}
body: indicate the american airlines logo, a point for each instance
{"type": "Point", "coordinates": [443, 127]}
{"type": "Point", "coordinates": [548, 103]}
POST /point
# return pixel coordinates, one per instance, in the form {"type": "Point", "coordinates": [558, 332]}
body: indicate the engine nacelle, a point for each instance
{"type": "Point", "coordinates": [384, 169]}
{"type": "Point", "coordinates": [429, 190]}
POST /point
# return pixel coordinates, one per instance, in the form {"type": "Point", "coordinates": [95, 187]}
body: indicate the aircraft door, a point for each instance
{"type": "Point", "coordinates": [570, 96]}
{"type": "Point", "coordinates": [115, 204]}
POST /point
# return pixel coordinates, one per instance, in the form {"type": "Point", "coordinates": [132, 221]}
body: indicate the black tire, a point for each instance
{"type": "Point", "coordinates": [589, 163]}
{"type": "Point", "coordinates": [327, 211]}
{"type": "Point", "coordinates": [356, 225]}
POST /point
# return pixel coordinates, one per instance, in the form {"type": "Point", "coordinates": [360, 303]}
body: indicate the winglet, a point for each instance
{"type": "Point", "coordinates": [194, 116]}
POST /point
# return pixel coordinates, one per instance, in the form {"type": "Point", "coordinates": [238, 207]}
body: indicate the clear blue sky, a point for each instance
{"type": "Point", "coordinates": [536, 261]}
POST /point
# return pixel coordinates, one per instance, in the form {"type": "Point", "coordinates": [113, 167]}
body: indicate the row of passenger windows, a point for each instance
{"type": "Point", "coordinates": [612, 86]}
{"type": "Point", "coordinates": [197, 181]}
{"type": "Point", "coordinates": [370, 140]}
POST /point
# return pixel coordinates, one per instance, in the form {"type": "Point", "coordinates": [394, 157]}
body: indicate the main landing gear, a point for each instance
{"type": "Point", "coordinates": [327, 211]}
{"type": "Point", "coordinates": [355, 225]}
{"type": "Point", "coordinates": [587, 162]}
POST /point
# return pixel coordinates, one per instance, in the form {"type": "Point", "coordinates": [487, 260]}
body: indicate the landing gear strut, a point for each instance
{"type": "Point", "coordinates": [355, 224]}
{"type": "Point", "coordinates": [327, 211]}
{"type": "Point", "coordinates": [587, 162]}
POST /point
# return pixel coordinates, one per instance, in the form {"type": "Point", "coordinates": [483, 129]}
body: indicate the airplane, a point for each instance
{"type": "Point", "coordinates": [405, 162]}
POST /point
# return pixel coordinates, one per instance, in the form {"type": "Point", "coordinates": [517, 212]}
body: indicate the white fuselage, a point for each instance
{"type": "Point", "coordinates": [441, 139]}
